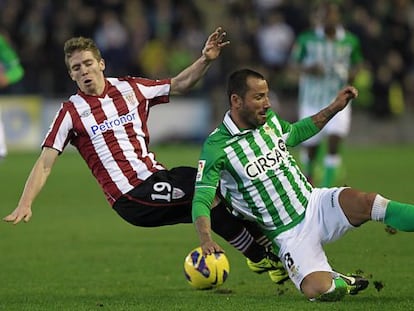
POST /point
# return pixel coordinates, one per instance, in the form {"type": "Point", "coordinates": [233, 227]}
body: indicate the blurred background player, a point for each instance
{"type": "Point", "coordinates": [11, 72]}
{"type": "Point", "coordinates": [328, 58]}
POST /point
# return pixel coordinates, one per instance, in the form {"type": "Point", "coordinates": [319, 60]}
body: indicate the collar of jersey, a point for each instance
{"type": "Point", "coordinates": [231, 127]}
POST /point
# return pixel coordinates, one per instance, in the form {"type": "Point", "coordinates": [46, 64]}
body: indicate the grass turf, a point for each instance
{"type": "Point", "coordinates": [77, 254]}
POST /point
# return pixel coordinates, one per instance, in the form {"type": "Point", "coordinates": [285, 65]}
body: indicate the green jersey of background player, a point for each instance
{"type": "Point", "coordinates": [328, 57]}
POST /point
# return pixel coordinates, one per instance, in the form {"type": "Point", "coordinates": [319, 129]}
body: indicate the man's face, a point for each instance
{"type": "Point", "coordinates": [332, 16]}
{"type": "Point", "coordinates": [87, 72]}
{"type": "Point", "coordinates": [254, 105]}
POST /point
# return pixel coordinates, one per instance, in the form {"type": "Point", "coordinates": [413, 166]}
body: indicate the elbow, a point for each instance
{"type": "Point", "coordinates": [181, 86]}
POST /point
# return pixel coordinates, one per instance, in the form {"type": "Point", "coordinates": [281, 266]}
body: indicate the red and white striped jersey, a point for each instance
{"type": "Point", "coordinates": [110, 131]}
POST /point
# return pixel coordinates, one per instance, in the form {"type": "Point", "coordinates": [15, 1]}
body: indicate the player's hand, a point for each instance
{"type": "Point", "coordinates": [214, 44]}
{"type": "Point", "coordinates": [345, 96]}
{"type": "Point", "coordinates": [20, 213]}
{"type": "Point", "coordinates": [211, 247]}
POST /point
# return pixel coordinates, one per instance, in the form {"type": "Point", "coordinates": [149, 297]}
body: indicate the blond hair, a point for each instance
{"type": "Point", "coordinates": [80, 44]}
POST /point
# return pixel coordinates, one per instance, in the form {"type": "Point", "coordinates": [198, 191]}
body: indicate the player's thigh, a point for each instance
{"type": "Point", "coordinates": [301, 248]}
{"type": "Point", "coordinates": [302, 254]}
{"type": "Point", "coordinates": [163, 199]}
{"type": "Point", "coordinates": [167, 187]}
{"type": "Point", "coordinates": [331, 219]}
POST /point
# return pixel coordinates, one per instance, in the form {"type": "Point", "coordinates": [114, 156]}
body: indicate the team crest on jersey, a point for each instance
{"type": "Point", "coordinates": [130, 98]}
{"type": "Point", "coordinates": [268, 130]}
{"type": "Point", "coordinates": [177, 193]}
{"type": "Point", "coordinates": [200, 170]}
{"type": "Point", "coordinates": [85, 114]}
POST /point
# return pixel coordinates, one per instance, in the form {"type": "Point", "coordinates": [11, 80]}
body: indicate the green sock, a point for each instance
{"type": "Point", "coordinates": [400, 216]}
{"type": "Point", "coordinates": [329, 176]}
{"type": "Point", "coordinates": [339, 290]}
{"type": "Point", "coordinates": [308, 168]}
{"type": "Point", "coordinates": [331, 164]}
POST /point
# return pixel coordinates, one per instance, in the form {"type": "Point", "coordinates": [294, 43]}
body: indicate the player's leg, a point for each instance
{"type": "Point", "coordinates": [332, 161]}
{"type": "Point", "coordinates": [162, 199]}
{"type": "Point", "coordinates": [259, 258]}
{"type": "Point", "coordinates": [309, 152]}
{"type": "Point", "coordinates": [257, 234]}
{"type": "Point", "coordinates": [309, 159]}
{"type": "Point", "coordinates": [314, 286]}
{"type": "Point", "coordinates": [336, 130]}
{"type": "Point", "coordinates": [360, 207]}
{"type": "Point", "coordinates": [305, 258]}
{"type": "Point", "coordinates": [309, 270]}
{"type": "Point", "coordinates": [279, 275]}
{"type": "Point", "coordinates": [165, 198]}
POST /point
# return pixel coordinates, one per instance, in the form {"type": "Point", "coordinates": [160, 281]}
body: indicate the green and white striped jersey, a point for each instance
{"type": "Point", "coordinates": [257, 175]}
{"type": "Point", "coordinates": [337, 56]}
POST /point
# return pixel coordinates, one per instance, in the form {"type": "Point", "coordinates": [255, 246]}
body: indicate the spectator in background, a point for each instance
{"type": "Point", "coordinates": [328, 58]}
{"type": "Point", "coordinates": [11, 72]}
{"type": "Point", "coordinates": [32, 26]}
{"type": "Point", "coordinates": [111, 37]}
{"type": "Point", "coordinates": [274, 40]}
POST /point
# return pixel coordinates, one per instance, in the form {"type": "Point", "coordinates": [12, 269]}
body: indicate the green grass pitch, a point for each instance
{"type": "Point", "coordinates": [77, 254]}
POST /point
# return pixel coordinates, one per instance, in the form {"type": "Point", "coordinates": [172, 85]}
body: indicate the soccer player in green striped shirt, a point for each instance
{"type": "Point", "coordinates": [247, 157]}
{"type": "Point", "coordinates": [328, 57]}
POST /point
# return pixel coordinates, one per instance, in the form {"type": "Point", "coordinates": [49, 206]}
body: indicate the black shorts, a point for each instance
{"type": "Point", "coordinates": [163, 199]}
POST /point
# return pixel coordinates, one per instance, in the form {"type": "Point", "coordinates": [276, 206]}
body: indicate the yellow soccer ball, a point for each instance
{"type": "Point", "coordinates": [206, 272]}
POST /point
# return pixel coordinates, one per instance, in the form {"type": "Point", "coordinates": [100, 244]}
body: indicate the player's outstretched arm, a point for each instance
{"type": "Point", "coordinates": [203, 227]}
{"type": "Point", "coordinates": [35, 182]}
{"type": "Point", "coordinates": [187, 78]}
{"type": "Point", "coordinates": [341, 100]}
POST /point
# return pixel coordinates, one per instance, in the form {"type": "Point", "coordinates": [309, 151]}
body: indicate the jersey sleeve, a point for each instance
{"type": "Point", "coordinates": [299, 48]}
{"type": "Point", "coordinates": [60, 131]}
{"type": "Point", "coordinates": [155, 91]}
{"type": "Point", "coordinates": [207, 180]}
{"type": "Point", "coordinates": [356, 53]}
{"type": "Point", "coordinates": [299, 131]}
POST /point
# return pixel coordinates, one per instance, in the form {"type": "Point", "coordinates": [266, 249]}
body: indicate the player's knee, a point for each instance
{"type": "Point", "coordinates": [335, 295]}
{"type": "Point", "coordinates": [319, 286]}
{"type": "Point", "coordinates": [316, 283]}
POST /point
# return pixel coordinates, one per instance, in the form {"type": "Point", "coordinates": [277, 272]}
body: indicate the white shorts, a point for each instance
{"type": "Point", "coordinates": [339, 125]}
{"type": "Point", "coordinates": [301, 248]}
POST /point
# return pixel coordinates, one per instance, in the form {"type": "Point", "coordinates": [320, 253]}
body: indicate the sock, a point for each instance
{"type": "Point", "coordinates": [397, 215]}
{"type": "Point", "coordinates": [336, 292]}
{"type": "Point", "coordinates": [233, 231]}
{"type": "Point", "coordinates": [400, 216]}
{"type": "Point", "coordinates": [331, 165]}
{"type": "Point", "coordinates": [378, 208]}
{"type": "Point", "coordinates": [257, 234]}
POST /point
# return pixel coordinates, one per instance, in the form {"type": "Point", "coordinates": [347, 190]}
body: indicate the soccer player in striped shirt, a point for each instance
{"type": "Point", "coordinates": [106, 120]}
{"type": "Point", "coordinates": [328, 58]}
{"type": "Point", "coordinates": [247, 156]}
